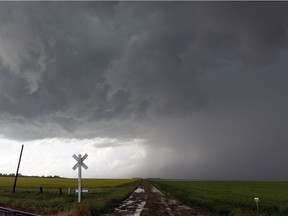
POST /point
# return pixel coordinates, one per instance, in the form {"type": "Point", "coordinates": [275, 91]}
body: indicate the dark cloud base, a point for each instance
{"type": "Point", "coordinates": [204, 80]}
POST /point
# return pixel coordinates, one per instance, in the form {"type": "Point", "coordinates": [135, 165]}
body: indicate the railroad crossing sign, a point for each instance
{"type": "Point", "coordinates": [78, 165]}
{"type": "Point", "coordinates": [80, 161]}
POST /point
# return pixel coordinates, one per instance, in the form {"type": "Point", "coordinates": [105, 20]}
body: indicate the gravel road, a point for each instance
{"type": "Point", "coordinates": [147, 200]}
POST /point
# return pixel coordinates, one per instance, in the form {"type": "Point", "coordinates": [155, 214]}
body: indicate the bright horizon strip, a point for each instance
{"type": "Point", "coordinates": [49, 157]}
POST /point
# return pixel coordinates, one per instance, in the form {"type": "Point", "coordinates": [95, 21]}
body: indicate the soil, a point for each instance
{"type": "Point", "coordinates": [147, 200]}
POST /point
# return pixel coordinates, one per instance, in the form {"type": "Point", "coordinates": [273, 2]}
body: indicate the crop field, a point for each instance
{"type": "Point", "coordinates": [230, 197]}
{"type": "Point", "coordinates": [103, 194]}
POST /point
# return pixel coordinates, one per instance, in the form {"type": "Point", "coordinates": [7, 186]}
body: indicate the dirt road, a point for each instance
{"type": "Point", "coordinates": [147, 200]}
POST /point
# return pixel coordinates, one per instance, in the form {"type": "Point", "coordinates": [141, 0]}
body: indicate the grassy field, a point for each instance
{"type": "Point", "coordinates": [103, 194]}
{"type": "Point", "coordinates": [231, 197]}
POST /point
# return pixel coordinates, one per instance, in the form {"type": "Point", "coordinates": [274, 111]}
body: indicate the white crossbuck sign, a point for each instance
{"type": "Point", "coordinates": [78, 165]}
{"type": "Point", "coordinates": [80, 161]}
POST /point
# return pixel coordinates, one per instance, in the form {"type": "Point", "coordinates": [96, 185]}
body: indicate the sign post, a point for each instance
{"type": "Point", "coordinates": [78, 165]}
{"type": "Point", "coordinates": [256, 199]}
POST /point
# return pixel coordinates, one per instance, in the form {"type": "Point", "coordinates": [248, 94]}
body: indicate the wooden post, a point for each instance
{"type": "Point", "coordinates": [16, 176]}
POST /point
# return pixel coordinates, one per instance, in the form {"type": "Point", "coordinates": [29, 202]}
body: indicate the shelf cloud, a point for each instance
{"type": "Point", "coordinates": [202, 85]}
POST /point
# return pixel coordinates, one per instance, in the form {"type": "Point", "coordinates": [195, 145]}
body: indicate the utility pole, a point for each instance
{"type": "Point", "coordinates": [16, 176]}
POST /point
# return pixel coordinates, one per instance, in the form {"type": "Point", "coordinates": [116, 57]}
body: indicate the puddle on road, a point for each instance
{"type": "Point", "coordinates": [155, 190]}
{"type": "Point", "coordinates": [139, 208]}
{"type": "Point", "coordinates": [132, 206]}
{"type": "Point", "coordinates": [139, 190]}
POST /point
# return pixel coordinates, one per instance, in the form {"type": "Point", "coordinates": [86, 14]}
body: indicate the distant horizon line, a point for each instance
{"type": "Point", "coordinates": [149, 178]}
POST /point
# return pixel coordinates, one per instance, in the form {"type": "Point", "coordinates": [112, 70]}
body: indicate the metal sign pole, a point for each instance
{"type": "Point", "coordinates": [79, 165]}
{"type": "Point", "coordinates": [79, 178]}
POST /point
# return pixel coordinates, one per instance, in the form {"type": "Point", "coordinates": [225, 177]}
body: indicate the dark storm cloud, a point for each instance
{"type": "Point", "coordinates": [203, 82]}
{"type": "Point", "coordinates": [168, 54]}
{"type": "Point", "coordinates": [76, 46]}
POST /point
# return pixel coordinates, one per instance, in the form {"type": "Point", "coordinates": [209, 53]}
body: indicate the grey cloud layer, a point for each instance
{"type": "Point", "coordinates": [207, 78]}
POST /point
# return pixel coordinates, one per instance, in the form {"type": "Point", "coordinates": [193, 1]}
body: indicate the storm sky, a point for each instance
{"type": "Point", "coordinates": [147, 89]}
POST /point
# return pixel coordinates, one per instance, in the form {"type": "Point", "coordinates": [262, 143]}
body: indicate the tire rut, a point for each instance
{"type": "Point", "coordinates": [147, 200]}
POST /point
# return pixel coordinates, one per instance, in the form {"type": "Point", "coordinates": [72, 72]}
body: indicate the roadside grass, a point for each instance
{"type": "Point", "coordinates": [103, 195]}
{"type": "Point", "coordinates": [233, 198]}
{"type": "Point", "coordinates": [105, 202]}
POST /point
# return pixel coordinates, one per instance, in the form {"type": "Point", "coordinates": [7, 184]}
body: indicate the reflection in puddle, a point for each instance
{"type": "Point", "coordinates": [132, 206]}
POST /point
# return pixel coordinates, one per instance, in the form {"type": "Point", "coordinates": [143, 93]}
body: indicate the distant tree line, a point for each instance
{"type": "Point", "coordinates": [20, 175]}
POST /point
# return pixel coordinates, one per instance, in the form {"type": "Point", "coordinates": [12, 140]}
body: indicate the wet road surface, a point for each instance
{"type": "Point", "coordinates": [147, 200]}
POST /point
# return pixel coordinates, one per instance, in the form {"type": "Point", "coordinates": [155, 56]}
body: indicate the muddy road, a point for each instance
{"type": "Point", "coordinates": [147, 200]}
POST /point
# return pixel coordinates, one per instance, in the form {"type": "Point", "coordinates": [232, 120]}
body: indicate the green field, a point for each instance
{"type": "Point", "coordinates": [231, 197]}
{"type": "Point", "coordinates": [103, 194]}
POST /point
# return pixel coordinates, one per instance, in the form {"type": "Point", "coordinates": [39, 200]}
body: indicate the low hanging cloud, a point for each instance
{"type": "Point", "coordinates": [203, 83]}
{"type": "Point", "coordinates": [23, 53]}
